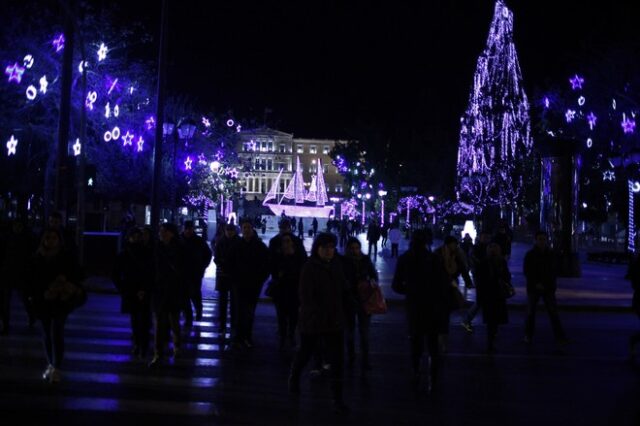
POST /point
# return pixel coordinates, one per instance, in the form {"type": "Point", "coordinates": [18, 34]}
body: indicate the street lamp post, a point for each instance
{"type": "Point", "coordinates": [382, 193]}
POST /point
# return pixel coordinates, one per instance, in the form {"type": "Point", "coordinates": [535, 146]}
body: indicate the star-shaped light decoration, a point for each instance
{"type": "Point", "coordinates": [102, 52]}
{"type": "Point", "coordinates": [127, 139]}
{"type": "Point", "coordinates": [576, 82]}
{"type": "Point", "coordinates": [187, 163]}
{"type": "Point", "coordinates": [609, 175]}
{"type": "Point", "coordinates": [43, 84]}
{"type": "Point", "coordinates": [140, 143]}
{"type": "Point", "coordinates": [591, 119]}
{"type": "Point", "coordinates": [58, 42]}
{"type": "Point", "coordinates": [206, 122]}
{"type": "Point", "coordinates": [77, 147]}
{"type": "Point", "coordinates": [569, 115]}
{"type": "Point", "coordinates": [28, 61]}
{"type": "Point", "coordinates": [628, 124]}
{"type": "Point", "coordinates": [12, 144]}
{"type": "Point", "coordinates": [233, 173]}
{"type": "Point", "coordinates": [14, 72]}
{"type": "Point", "coordinates": [202, 159]}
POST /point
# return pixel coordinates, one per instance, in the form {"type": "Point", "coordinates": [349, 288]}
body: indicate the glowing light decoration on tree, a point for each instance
{"type": "Point", "coordinates": [202, 159]}
{"type": "Point", "coordinates": [609, 175]}
{"type": "Point", "coordinates": [14, 72]}
{"type": "Point", "coordinates": [140, 143]}
{"type": "Point", "coordinates": [82, 65]}
{"type": "Point", "coordinates": [127, 139]}
{"type": "Point", "coordinates": [238, 128]}
{"type": "Point", "coordinates": [493, 140]}
{"type": "Point", "coordinates": [77, 147]}
{"type": "Point", "coordinates": [150, 123]}
{"type": "Point", "coordinates": [570, 115]}
{"type": "Point", "coordinates": [634, 187]}
{"type": "Point", "coordinates": [102, 52]}
{"type": "Point", "coordinates": [546, 102]}
{"type": "Point", "coordinates": [107, 136]}
{"type": "Point", "coordinates": [589, 143]}
{"type": "Point", "coordinates": [116, 110]}
{"type": "Point", "coordinates": [12, 145]}
{"type": "Point", "coordinates": [187, 163]}
{"type": "Point", "coordinates": [91, 99]}
{"type": "Point", "coordinates": [113, 86]}
{"type": "Point", "coordinates": [28, 61]}
{"type": "Point", "coordinates": [628, 124]}
{"type": "Point", "coordinates": [115, 133]}
{"type": "Point", "coordinates": [107, 110]}
{"type": "Point", "coordinates": [576, 82]}
{"type": "Point", "coordinates": [581, 100]}
{"type": "Point", "coordinates": [44, 84]}
{"type": "Point", "coordinates": [230, 123]}
{"type": "Point", "coordinates": [31, 93]}
{"type": "Point", "coordinates": [58, 42]}
{"type": "Point", "coordinates": [206, 122]}
{"type": "Point", "coordinates": [591, 119]}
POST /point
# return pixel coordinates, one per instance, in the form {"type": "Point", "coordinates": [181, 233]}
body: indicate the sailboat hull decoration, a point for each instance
{"type": "Point", "coordinates": [296, 200]}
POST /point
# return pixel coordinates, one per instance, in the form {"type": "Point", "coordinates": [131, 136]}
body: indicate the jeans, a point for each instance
{"type": "Point", "coordinates": [53, 338]}
{"type": "Point", "coordinates": [549, 298]}
{"type": "Point", "coordinates": [364, 321]}
{"type": "Point", "coordinates": [333, 352]}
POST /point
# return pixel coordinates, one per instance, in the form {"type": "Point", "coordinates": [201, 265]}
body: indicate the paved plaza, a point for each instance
{"type": "Point", "coordinates": [588, 382]}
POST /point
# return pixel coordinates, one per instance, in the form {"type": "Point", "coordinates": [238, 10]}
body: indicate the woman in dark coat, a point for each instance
{"type": "Point", "coordinates": [421, 277]}
{"type": "Point", "coordinates": [492, 277]}
{"type": "Point", "coordinates": [322, 290]}
{"type": "Point", "coordinates": [54, 290]}
{"type": "Point", "coordinates": [133, 277]}
{"type": "Point", "coordinates": [284, 287]}
{"type": "Point", "coordinates": [223, 258]}
{"type": "Point", "coordinates": [358, 268]}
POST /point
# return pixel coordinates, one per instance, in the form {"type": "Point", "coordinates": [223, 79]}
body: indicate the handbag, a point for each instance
{"type": "Point", "coordinates": [371, 297]}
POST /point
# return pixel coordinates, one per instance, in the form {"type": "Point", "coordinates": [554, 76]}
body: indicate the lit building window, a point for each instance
{"type": "Point", "coordinates": [325, 150]}
{"type": "Point", "coordinates": [325, 169]}
{"type": "Point", "coordinates": [338, 188]}
{"type": "Point", "coordinates": [282, 148]}
{"type": "Point", "coordinates": [300, 149]}
{"type": "Point", "coordinates": [313, 149]}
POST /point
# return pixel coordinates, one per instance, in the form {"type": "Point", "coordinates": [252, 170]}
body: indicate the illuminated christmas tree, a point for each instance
{"type": "Point", "coordinates": [495, 134]}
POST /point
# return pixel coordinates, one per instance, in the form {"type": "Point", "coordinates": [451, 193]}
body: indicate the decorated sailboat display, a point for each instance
{"type": "Point", "coordinates": [296, 200]}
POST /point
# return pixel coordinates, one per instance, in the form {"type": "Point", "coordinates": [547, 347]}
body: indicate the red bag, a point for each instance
{"type": "Point", "coordinates": [372, 299]}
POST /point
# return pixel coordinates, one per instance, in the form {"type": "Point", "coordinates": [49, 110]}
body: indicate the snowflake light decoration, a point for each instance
{"type": "Point", "coordinates": [44, 84]}
{"type": "Point", "coordinates": [102, 52]}
{"type": "Point", "coordinates": [569, 115]}
{"type": "Point", "coordinates": [206, 122]}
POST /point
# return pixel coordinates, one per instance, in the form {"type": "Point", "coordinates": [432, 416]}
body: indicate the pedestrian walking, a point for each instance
{"type": "Point", "coordinates": [492, 281]}
{"type": "Point", "coordinates": [322, 290]}
{"type": "Point", "coordinates": [314, 226]}
{"type": "Point", "coordinates": [420, 276]}
{"type": "Point", "coordinates": [197, 258]}
{"type": "Point", "coordinates": [55, 290]}
{"type": "Point", "coordinates": [223, 258]}
{"type": "Point", "coordinates": [394, 237]}
{"type": "Point", "coordinates": [540, 272]}
{"type": "Point", "coordinates": [300, 229]}
{"type": "Point", "coordinates": [359, 270]}
{"type": "Point", "coordinates": [373, 236]}
{"type": "Point", "coordinates": [384, 234]}
{"type": "Point", "coordinates": [478, 254]}
{"type": "Point", "coordinates": [133, 277]}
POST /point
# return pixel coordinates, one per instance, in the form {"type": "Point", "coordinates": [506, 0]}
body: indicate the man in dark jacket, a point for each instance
{"type": "Point", "coordinates": [169, 292]}
{"type": "Point", "coordinates": [540, 272]}
{"type": "Point", "coordinates": [224, 276]}
{"type": "Point", "coordinates": [250, 269]}
{"type": "Point", "coordinates": [373, 235]}
{"type": "Point", "coordinates": [323, 289]}
{"type": "Point", "coordinates": [478, 255]}
{"type": "Point", "coordinates": [275, 243]}
{"type": "Point", "coordinates": [421, 277]}
{"type": "Point", "coordinates": [198, 257]}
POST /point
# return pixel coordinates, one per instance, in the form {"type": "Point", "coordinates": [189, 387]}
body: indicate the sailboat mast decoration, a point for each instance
{"type": "Point", "coordinates": [296, 200]}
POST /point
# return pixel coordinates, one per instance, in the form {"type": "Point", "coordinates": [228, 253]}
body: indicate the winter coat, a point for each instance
{"type": "Point", "coordinates": [223, 258]}
{"type": "Point", "coordinates": [44, 272]}
{"type": "Point", "coordinates": [357, 269]}
{"type": "Point", "coordinates": [420, 276]}
{"type": "Point", "coordinates": [133, 273]}
{"type": "Point", "coordinates": [286, 279]}
{"type": "Point", "coordinates": [170, 292]}
{"type": "Point", "coordinates": [250, 266]}
{"type": "Point", "coordinates": [491, 275]}
{"type": "Point", "coordinates": [322, 290]}
{"type": "Point", "coordinates": [197, 257]}
{"type": "Point", "coordinates": [275, 249]}
{"type": "Point", "coordinates": [373, 233]}
{"type": "Point", "coordinates": [540, 270]}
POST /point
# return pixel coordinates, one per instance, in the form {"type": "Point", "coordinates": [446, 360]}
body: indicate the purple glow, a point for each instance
{"type": "Point", "coordinates": [569, 115]}
{"type": "Point", "coordinates": [28, 61]}
{"type": "Point", "coordinates": [609, 175]}
{"type": "Point", "coordinates": [206, 122]}
{"type": "Point", "coordinates": [546, 102]}
{"type": "Point", "coordinates": [576, 82]}
{"type": "Point", "coordinates": [14, 72]}
{"type": "Point", "coordinates": [238, 128]}
{"type": "Point", "coordinates": [230, 123]}
{"type": "Point", "coordinates": [628, 125]}
{"type": "Point", "coordinates": [91, 99]}
{"type": "Point", "coordinates": [187, 163]}
{"type": "Point", "coordinates": [102, 52]}
{"type": "Point", "coordinates": [58, 42]}
{"type": "Point", "coordinates": [233, 173]}
{"type": "Point", "coordinates": [12, 144]}
{"type": "Point", "coordinates": [202, 159]}
{"type": "Point", "coordinates": [591, 118]}
{"type": "Point", "coordinates": [77, 147]}
{"type": "Point", "coordinates": [127, 139]}
{"type": "Point", "coordinates": [112, 86]}
{"type": "Point", "coordinates": [150, 123]}
{"type": "Point", "coordinates": [140, 143]}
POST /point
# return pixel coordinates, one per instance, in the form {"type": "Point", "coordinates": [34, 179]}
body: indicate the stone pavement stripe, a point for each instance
{"type": "Point", "coordinates": [112, 404]}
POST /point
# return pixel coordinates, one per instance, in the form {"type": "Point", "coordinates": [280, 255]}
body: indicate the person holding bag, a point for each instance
{"type": "Point", "coordinates": [54, 290]}
{"type": "Point", "coordinates": [361, 277]}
